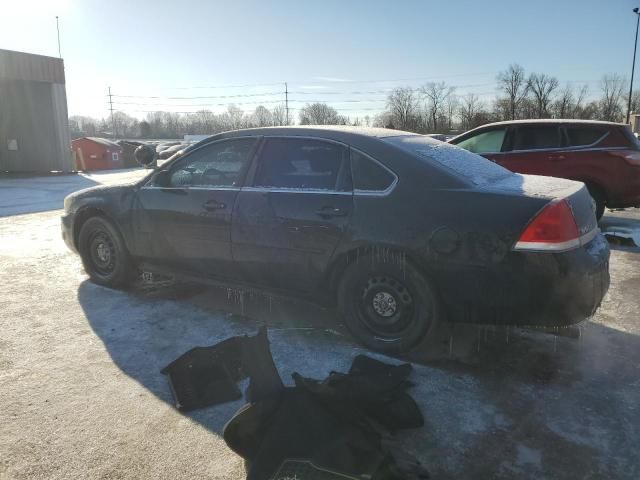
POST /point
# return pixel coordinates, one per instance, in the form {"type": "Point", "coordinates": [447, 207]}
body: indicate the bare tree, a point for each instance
{"type": "Point", "coordinates": [279, 115]}
{"type": "Point", "coordinates": [402, 106]}
{"type": "Point", "coordinates": [470, 108]}
{"type": "Point", "coordinates": [542, 87]}
{"type": "Point", "coordinates": [514, 85]}
{"type": "Point", "coordinates": [262, 117]}
{"type": "Point", "coordinates": [319, 114]}
{"type": "Point", "coordinates": [564, 105]}
{"type": "Point", "coordinates": [437, 95]}
{"type": "Point", "coordinates": [635, 101]}
{"type": "Point", "coordinates": [233, 118]}
{"type": "Point", "coordinates": [451, 106]}
{"type": "Point", "coordinates": [124, 125]}
{"type": "Point", "coordinates": [612, 87]}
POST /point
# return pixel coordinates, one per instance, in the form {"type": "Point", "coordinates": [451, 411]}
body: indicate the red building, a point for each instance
{"type": "Point", "coordinates": [93, 153]}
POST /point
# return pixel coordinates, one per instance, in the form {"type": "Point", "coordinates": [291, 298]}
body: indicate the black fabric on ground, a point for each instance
{"type": "Point", "coordinates": [340, 425]}
{"type": "Point", "coordinates": [300, 427]}
{"type": "Point", "coordinates": [257, 363]}
{"type": "Point", "coordinates": [337, 425]}
{"type": "Point", "coordinates": [206, 376]}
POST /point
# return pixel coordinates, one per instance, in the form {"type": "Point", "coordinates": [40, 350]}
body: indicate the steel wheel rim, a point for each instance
{"type": "Point", "coordinates": [386, 306]}
{"type": "Point", "coordinates": [102, 251]}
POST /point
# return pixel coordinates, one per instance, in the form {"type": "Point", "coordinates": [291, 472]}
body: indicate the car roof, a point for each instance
{"type": "Point", "coordinates": [326, 131]}
{"type": "Point", "coordinates": [551, 121]}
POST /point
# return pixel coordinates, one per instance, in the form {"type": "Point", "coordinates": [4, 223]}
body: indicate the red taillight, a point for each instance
{"type": "Point", "coordinates": [632, 157]}
{"type": "Point", "coordinates": [552, 229]}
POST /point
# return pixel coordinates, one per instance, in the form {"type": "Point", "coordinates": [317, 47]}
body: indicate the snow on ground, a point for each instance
{"type": "Point", "coordinates": [20, 195]}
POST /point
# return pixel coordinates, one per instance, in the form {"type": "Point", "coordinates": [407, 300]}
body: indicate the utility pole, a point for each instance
{"type": "Point", "coordinates": [58, 29]}
{"type": "Point", "coordinates": [113, 123]}
{"type": "Point", "coordinates": [633, 67]}
{"type": "Point", "coordinates": [286, 101]}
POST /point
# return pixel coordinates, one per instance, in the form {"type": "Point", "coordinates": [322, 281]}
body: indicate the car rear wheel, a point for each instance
{"type": "Point", "coordinates": [104, 255]}
{"type": "Point", "coordinates": [387, 307]}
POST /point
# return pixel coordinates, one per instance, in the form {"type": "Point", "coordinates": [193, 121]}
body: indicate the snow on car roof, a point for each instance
{"type": "Point", "coordinates": [551, 121]}
{"type": "Point", "coordinates": [474, 168]}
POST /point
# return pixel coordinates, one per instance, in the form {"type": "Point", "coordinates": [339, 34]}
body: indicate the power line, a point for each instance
{"type": "Point", "coordinates": [200, 97]}
{"type": "Point", "coordinates": [197, 104]}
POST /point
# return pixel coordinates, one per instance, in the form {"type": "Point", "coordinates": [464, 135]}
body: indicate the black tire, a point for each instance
{"type": "Point", "coordinates": [599, 199]}
{"type": "Point", "coordinates": [382, 324]}
{"type": "Point", "coordinates": [104, 254]}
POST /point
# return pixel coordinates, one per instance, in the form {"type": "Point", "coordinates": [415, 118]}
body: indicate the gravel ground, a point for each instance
{"type": "Point", "coordinates": [82, 396]}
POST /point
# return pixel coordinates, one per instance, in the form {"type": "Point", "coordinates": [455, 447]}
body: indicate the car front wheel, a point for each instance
{"type": "Point", "coordinates": [104, 255]}
{"type": "Point", "coordinates": [388, 307]}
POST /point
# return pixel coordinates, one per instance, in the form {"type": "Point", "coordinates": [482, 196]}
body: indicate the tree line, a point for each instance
{"type": "Point", "coordinates": [434, 107]}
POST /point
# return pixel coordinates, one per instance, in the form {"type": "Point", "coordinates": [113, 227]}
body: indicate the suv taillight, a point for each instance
{"type": "Point", "coordinates": [632, 157]}
{"type": "Point", "coordinates": [553, 229]}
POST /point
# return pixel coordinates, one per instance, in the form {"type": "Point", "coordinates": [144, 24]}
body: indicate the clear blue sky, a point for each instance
{"type": "Point", "coordinates": [324, 49]}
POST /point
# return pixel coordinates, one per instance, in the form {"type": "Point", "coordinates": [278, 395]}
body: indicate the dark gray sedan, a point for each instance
{"type": "Point", "coordinates": [398, 230]}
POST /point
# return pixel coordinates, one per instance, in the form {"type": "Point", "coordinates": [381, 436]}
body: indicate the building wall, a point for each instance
{"type": "Point", "coordinates": [34, 127]}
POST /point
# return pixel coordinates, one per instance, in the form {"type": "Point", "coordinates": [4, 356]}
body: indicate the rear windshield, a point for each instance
{"type": "Point", "coordinates": [474, 168]}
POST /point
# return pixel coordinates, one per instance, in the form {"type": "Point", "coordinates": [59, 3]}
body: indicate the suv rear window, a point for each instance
{"type": "Point", "coordinates": [536, 137]}
{"type": "Point", "coordinates": [581, 136]}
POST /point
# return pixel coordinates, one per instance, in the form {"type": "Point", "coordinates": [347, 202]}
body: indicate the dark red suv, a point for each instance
{"type": "Point", "coordinates": [603, 155]}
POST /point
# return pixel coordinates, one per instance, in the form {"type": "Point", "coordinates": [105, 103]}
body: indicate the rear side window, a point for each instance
{"type": "Point", "coordinates": [536, 137]}
{"type": "Point", "coordinates": [485, 142]}
{"type": "Point", "coordinates": [368, 175]}
{"type": "Point", "coordinates": [464, 164]}
{"type": "Point", "coordinates": [582, 136]}
{"type": "Point", "coordinates": [299, 163]}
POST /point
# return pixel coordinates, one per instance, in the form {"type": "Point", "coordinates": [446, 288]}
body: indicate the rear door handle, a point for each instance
{"type": "Point", "coordinates": [213, 205]}
{"type": "Point", "coordinates": [556, 157]}
{"type": "Point", "coordinates": [329, 211]}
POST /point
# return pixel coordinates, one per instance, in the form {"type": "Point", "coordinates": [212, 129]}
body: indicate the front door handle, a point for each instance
{"type": "Point", "coordinates": [213, 205]}
{"type": "Point", "coordinates": [330, 211]}
{"type": "Point", "coordinates": [556, 157]}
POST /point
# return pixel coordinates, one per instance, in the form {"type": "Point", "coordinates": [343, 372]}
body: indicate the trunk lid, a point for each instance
{"type": "Point", "coordinates": [553, 189]}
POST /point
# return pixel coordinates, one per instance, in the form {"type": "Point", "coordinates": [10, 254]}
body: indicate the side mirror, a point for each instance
{"type": "Point", "coordinates": [146, 156]}
{"type": "Point", "coordinates": [162, 179]}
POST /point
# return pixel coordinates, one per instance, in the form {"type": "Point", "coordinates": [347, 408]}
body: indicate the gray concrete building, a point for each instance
{"type": "Point", "coordinates": [34, 126]}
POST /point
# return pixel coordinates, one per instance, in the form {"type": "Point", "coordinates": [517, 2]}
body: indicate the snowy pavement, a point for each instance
{"type": "Point", "coordinates": [82, 396]}
{"type": "Point", "coordinates": [20, 195]}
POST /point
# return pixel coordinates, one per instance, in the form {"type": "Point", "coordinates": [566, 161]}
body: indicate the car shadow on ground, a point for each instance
{"type": "Point", "coordinates": [148, 328]}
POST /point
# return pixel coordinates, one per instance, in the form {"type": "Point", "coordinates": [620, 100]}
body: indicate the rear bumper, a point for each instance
{"type": "Point", "coordinates": [66, 222]}
{"type": "Point", "coordinates": [534, 289]}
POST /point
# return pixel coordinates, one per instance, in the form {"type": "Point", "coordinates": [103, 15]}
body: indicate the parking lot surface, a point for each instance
{"type": "Point", "coordinates": [82, 396]}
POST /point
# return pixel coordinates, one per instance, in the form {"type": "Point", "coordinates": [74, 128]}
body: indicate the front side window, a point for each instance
{"type": "Point", "coordinates": [485, 142]}
{"type": "Point", "coordinates": [368, 175]}
{"type": "Point", "coordinates": [536, 137]}
{"type": "Point", "coordinates": [300, 163]}
{"type": "Point", "coordinates": [217, 165]}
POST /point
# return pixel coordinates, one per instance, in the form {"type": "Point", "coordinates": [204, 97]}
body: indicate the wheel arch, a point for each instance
{"type": "Point", "coordinates": [595, 185]}
{"type": "Point", "coordinates": [371, 252]}
{"type": "Point", "coordinates": [82, 215]}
